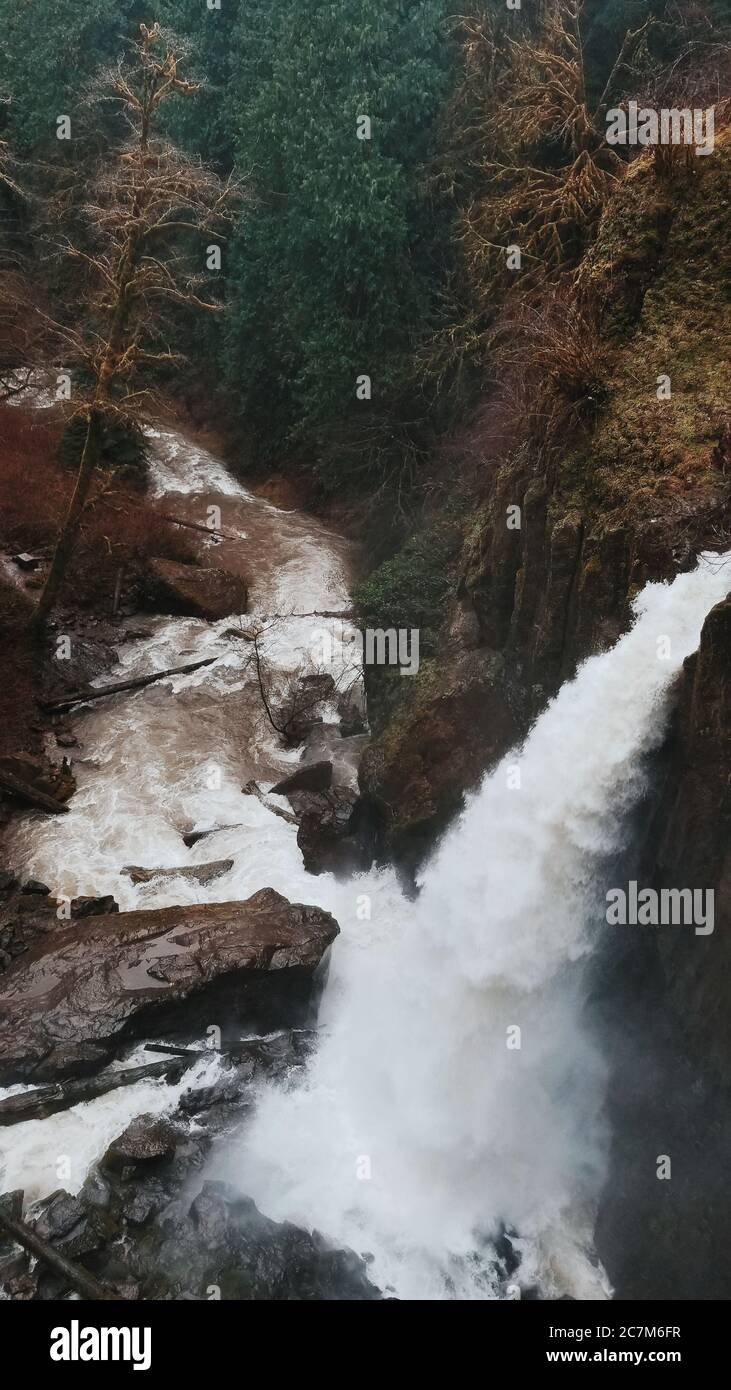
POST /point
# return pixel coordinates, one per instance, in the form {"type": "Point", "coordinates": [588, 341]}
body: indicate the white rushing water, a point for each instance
{"type": "Point", "coordinates": [417, 1132]}
{"type": "Point", "coordinates": [175, 757]}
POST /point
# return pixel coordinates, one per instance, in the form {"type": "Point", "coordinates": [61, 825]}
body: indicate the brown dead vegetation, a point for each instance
{"type": "Point", "coordinates": [147, 204]}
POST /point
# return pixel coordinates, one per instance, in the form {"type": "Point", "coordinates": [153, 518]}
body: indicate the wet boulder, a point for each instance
{"type": "Point", "coordinates": [224, 1240]}
{"type": "Point", "coordinates": [63, 1221]}
{"type": "Point", "coordinates": [221, 1240]}
{"type": "Point", "coordinates": [35, 887]}
{"type": "Point", "coordinates": [146, 1140]}
{"type": "Point", "coordinates": [333, 834]}
{"type": "Point", "coordinates": [26, 918]}
{"type": "Point", "coordinates": [191, 837]}
{"type": "Point", "coordinates": [172, 971]}
{"type": "Point", "coordinates": [93, 907]}
{"type": "Point", "coordinates": [137, 1233]}
{"type": "Point", "coordinates": [311, 777]}
{"type": "Point", "coordinates": [195, 590]}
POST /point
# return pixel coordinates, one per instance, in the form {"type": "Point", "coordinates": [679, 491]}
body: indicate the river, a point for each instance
{"type": "Point", "coordinates": [426, 1125]}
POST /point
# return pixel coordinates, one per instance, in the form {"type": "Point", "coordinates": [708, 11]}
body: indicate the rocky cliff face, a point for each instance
{"type": "Point", "coordinates": [690, 844]}
{"type": "Point", "coordinates": [660, 1001]}
{"type": "Point", "coordinates": [558, 542]}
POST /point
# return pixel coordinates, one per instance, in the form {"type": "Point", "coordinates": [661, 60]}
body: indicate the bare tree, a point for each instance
{"type": "Point", "coordinates": [150, 204]}
{"type": "Point", "coordinates": [20, 331]}
{"type": "Point", "coordinates": [292, 708]}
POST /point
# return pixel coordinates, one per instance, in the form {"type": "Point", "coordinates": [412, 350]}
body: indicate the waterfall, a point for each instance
{"type": "Point", "coordinates": [421, 1129]}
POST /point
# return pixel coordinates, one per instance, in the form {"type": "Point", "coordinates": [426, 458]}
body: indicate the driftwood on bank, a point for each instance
{"type": "Point", "coordinates": [84, 697]}
{"type": "Point", "coordinates": [78, 1278]}
{"type": "Point", "coordinates": [49, 1100]}
{"type": "Point", "coordinates": [25, 791]}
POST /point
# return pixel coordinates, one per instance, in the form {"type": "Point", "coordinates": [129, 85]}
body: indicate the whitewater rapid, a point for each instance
{"type": "Point", "coordinates": [173, 758]}
{"type": "Point", "coordinates": [420, 1130]}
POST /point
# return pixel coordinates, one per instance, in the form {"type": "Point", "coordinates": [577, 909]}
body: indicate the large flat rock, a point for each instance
{"type": "Point", "coordinates": [197, 590]}
{"type": "Point", "coordinates": [172, 972]}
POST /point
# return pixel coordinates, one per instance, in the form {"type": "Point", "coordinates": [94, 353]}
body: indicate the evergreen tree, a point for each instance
{"type": "Point", "coordinates": [49, 53]}
{"type": "Point", "coordinates": [330, 271]}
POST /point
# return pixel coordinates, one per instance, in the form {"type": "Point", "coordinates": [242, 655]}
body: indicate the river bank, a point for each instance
{"type": "Point", "coordinates": [159, 771]}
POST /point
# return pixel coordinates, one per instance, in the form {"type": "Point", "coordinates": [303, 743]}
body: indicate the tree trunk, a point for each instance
{"type": "Point", "coordinates": [74, 1274]}
{"type": "Point", "coordinates": [49, 1100]}
{"type": "Point", "coordinates": [86, 697]}
{"type": "Point", "coordinates": [67, 538]}
{"type": "Point", "coordinates": [25, 791]}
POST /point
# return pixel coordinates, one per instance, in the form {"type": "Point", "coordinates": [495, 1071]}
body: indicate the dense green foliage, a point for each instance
{"type": "Point", "coordinates": [212, 42]}
{"type": "Point", "coordinates": [330, 270]}
{"type": "Point", "coordinates": [409, 590]}
{"type": "Point", "coordinates": [50, 52]}
{"type": "Point", "coordinates": [352, 257]}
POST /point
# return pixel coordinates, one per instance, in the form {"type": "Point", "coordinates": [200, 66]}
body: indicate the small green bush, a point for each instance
{"type": "Point", "coordinates": [410, 589]}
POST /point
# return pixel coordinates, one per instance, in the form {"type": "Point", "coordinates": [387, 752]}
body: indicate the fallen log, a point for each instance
{"type": "Point", "coordinates": [199, 526]}
{"type": "Point", "coordinates": [49, 1100]}
{"type": "Point", "coordinates": [348, 613]}
{"type": "Point", "coordinates": [25, 791]}
{"type": "Point", "coordinates": [191, 837]}
{"type": "Point", "coordinates": [84, 697]}
{"type": "Point", "coordinates": [252, 788]}
{"type": "Point", "coordinates": [176, 520]}
{"type": "Point", "coordinates": [200, 873]}
{"type": "Point", "coordinates": [237, 1048]}
{"type": "Point", "coordinates": [78, 1278]}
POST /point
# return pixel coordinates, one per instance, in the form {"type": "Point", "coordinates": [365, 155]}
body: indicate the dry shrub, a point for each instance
{"type": "Point", "coordinates": [554, 365]}
{"type": "Point", "coordinates": [118, 526]}
{"type": "Point", "coordinates": [491, 436]}
{"type": "Point", "coordinates": [698, 77]}
{"type": "Point", "coordinates": [529, 145]}
{"type": "Point", "coordinates": [34, 490]}
{"type": "Point", "coordinates": [120, 530]}
{"type": "Point", "coordinates": [528, 165]}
